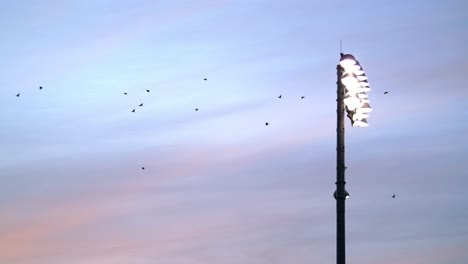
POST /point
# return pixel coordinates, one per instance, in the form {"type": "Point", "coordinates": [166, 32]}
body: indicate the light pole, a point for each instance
{"type": "Point", "coordinates": [352, 98]}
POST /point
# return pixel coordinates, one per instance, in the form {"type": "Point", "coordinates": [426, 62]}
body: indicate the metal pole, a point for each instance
{"type": "Point", "coordinates": [340, 194]}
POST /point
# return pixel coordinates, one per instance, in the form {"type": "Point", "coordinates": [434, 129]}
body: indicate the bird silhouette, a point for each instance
{"type": "Point", "coordinates": [385, 93]}
{"type": "Point", "coordinates": [143, 168]}
{"type": "Point", "coordinates": [147, 91]}
{"type": "Point", "coordinates": [302, 97]}
{"type": "Point", "coordinates": [17, 95]}
{"type": "Point", "coordinates": [133, 111]}
{"type": "Point", "coordinates": [141, 104]}
{"type": "Point", "coordinates": [205, 79]}
{"type": "Point", "coordinates": [266, 124]}
{"type": "Point", "coordinates": [196, 109]}
{"type": "Point", "coordinates": [125, 93]}
{"type": "Point", "coordinates": [393, 196]}
{"type": "Point", "coordinates": [279, 96]}
{"type": "Point", "coordinates": [40, 87]}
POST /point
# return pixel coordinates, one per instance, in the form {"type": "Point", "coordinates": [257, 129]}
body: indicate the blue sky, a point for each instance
{"type": "Point", "coordinates": [219, 186]}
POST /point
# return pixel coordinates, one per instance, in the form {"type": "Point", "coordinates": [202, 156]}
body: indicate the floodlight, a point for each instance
{"type": "Point", "coordinates": [365, 108]}
{"type": "Point", "coordinates": [356, 89]}
{"type": "Point", "coordinates": [352, 102]}
{"type": "Point", "coordinates": [365, 89]}
{"type": "Point", "coordinates": [359, 116]}
{"type": "Point", "coordinates": [358, 72]}
{"type": "Point", "coordinates": [353, 68]}
{"type": "Point", "coordinates": [364, 83]}
{"type": "Point", "coordinates": [349, 79]}
{"type": "Point", "coordinates": [360, 123]}
{"type": "Point", "coordinates": [361, 77]}
{"type": "Point", "coordinates": [361, 95]}
{"type": "Point", "coordinates": [347, 60]}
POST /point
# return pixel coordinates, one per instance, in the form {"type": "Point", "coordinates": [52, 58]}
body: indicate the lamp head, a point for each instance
{"type": "Point", "coordinates": [347, 60]}
{"type": "Point", "coordinates": [360, 123]}
{"type": "Point", "coordinates": [352, 102]}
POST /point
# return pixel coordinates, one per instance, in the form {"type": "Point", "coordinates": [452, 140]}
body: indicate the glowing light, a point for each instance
{"type": "Point", "coordinates": [360, 123]}
{"type": "Point", "coordinates": [356, 89]}
{"type": "Point", "coordinates": [356, 69]}
{"type": "Point", "coordinates": [352, 102]}
{"type": "Point", "coordinates": [361, 77]}
{"type": "Point", "coordinates": [358, 72]}
{"type": "Point", "coordinates": [359, 116]}
{"type": "Point", "coordinates": [350, 79]}
{"type": "Point", "coordinates": [347, 60]}
{"type": "Point", "coordinates": [364, 83]}
{"type": "Point", "coordinates": [365, 89]}
{"type": "Point", "coordinates": [356, 86]}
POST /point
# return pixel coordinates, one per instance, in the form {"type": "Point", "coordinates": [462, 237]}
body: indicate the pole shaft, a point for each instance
{"type": "Point", "coordinates": [340, 194]}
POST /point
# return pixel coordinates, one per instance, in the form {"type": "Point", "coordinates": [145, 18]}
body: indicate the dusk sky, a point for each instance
{"type": "Point", "coordinates": [220, 187]}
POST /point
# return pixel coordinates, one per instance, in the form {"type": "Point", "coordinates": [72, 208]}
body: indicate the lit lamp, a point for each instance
{"type": "Point", "coordinates": [347, 60]}
{"type": "Point", "coordinates": [352, 103]}
{"type": "Point", "coordinates": [356, 86]}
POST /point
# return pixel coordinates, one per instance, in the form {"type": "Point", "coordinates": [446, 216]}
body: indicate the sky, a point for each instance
{"type": "Point", "coordinates": [219, 186]}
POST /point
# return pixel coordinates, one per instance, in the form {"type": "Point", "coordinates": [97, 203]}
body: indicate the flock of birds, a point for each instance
{"type": "Point", "coordinates": [196, 109]}
{"type": "Point", "coordinates": [140, 105]}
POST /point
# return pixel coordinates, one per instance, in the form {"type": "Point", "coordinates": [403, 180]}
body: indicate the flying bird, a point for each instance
{"type": "Point", "coordinates": [386, 92]}
{"type": "Point", "coordinates": [279, 96]}
{"type": "Point", "coordinates": [266, 124]}
{"type": "Point", "coordinates": [133, 111]}
{"type": "Point", "coordinates": [205, 79]}
{"type": "Point", "coordinates": [196, 109]}
{"type": "Point", "coordinates": [302, 97]}
{"type": "Point", "coordinates": [141, 104]}
{"type": "Point", "coordinates": [17, 95]}
{"type": "Point", "coordinates": [143, 168]}
{"type": "Point", "coordinates": [147, 91]}
{"type": "Point", "coordinates": [40, 87]}
{"type": "Point", "coordinates": [125, 93]}
{"type": "Point", "coordinates": [393, 196]}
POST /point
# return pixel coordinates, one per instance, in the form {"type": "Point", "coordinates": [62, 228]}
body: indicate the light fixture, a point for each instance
{"type": "Point", "coordinates": [358, 72]}
{"type": "Point", "coordinates": [347, 60]}
{"type": "Point", "coordinates": [356, 89]}
{"type": "Point", "coordinates": [361, 77]}
{"type": "Point", "coordinates": [365, 108]}
{"type": "Point", "coordinates": [359, 116]}
{"type": "Point", "coordinates": [349, 79]}
{"type": "Point", "coordinates": [353, 68]}
{"type": "Point", "coordinates": [360, 123]}
{"type": "Point", "coordinates": [346, 194]}
{"type": "Point", "coordinates": [365, 89]}
{"type": "Point", "coordinates": [364, 83]}
{"type": "Point", "coordinates": [352, 102]}
{"type": "Point", "coordinates": [361, 95]}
